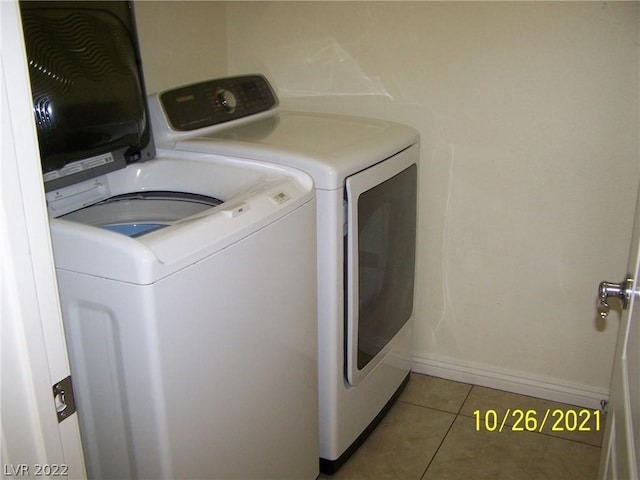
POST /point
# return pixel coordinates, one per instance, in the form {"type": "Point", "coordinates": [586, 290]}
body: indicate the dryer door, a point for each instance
{"type": "Point", "coordinates": [380, 259]}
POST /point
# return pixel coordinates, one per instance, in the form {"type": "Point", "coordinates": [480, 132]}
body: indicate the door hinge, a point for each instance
{"type": "Point", "coordinates": [63, 398]}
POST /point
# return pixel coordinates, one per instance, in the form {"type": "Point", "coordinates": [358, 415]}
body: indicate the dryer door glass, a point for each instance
{"type": "Point", "coordinates": [380, 260]}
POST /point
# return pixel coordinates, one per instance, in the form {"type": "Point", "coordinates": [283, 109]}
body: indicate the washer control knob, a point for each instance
{"type": "Point", "coordinates": [226, 100]}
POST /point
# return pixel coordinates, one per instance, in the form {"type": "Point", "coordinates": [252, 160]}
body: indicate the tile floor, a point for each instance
{"type": "Point", "coordinates": [432, 433]}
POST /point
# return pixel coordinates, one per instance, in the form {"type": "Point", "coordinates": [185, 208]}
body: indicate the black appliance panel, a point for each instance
{"type": "Point", "coordinates": [88, 90]}
{"type": "Point", "coordinates": [217, 101]}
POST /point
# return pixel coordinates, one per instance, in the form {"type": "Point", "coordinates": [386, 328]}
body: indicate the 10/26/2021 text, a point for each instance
{"type": "Point", "coordinates": [555, 420]}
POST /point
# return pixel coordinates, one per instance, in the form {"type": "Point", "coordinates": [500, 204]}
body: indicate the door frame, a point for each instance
{"type": "Point", "coordinates": [620, 458]}
{"type": "Point", "coordinates": [34, 355]}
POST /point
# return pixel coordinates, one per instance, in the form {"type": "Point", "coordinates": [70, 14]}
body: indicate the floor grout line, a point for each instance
{"type": "Point", "coordinates": [433, 457]}
{"type": "Point", "coordinates": [444, 437]}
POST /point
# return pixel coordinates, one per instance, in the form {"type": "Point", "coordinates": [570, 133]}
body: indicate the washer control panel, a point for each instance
{"type": "Point", "coordinates": [217, 101]}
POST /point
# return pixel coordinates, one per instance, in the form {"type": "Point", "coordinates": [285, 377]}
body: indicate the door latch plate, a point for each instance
{"type": "Point", "coordinates": [63, 398]}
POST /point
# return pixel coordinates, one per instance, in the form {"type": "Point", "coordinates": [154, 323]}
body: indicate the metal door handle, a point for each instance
{"type": "Point", "coordinates": [621, 290]}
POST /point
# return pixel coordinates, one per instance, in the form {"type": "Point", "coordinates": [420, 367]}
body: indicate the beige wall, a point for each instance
{"type": "Point", "coordinates": [181, 42]}
{"type": "Point", "coordinates": [529, 116]}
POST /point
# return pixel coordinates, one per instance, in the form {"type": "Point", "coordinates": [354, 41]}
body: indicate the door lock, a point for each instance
{"type": "Point", "coordinates": [621, 290]}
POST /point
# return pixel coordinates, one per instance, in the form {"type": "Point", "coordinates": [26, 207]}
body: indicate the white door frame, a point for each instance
{"type": "Point", "coordinates": [33, 350]}
{"type": "Point", "coordinates": [620, 457]}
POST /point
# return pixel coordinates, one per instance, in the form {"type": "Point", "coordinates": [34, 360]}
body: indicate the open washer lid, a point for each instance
{"type": "Point", "coordinates": [89, 99]}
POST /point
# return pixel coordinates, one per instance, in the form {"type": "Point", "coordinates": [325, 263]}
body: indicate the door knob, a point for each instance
{"type": "Point", "coordinates": [621, 290]}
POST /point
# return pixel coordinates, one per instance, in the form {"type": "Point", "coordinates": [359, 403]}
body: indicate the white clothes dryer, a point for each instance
{"type": "Point", "coordinates": [365, 174]}
{"type": "Point", "coordinates": [187, 280]}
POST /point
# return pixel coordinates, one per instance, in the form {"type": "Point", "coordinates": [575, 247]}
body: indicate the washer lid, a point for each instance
{"type": "Point", "coordinates": [88, 91]}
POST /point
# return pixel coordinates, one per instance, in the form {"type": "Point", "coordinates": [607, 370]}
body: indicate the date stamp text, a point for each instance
{"type": "Point", "coordinates": [555, 420]}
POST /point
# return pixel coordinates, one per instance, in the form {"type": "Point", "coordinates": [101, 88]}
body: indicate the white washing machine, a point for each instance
{"type": "Point", "coordinates": [187, 280]}
{"type": "Point", "coordinates": [365, 174]}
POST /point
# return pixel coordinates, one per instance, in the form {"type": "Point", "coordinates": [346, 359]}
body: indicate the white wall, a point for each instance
{"type": "Point", "coordinates": [529, 116]}
{"type": "Point", "coordinates": [529, 120]}
{"type": "Point", "coordinates": [181, 42]}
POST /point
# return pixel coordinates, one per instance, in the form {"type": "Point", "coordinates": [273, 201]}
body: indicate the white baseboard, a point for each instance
{"type": "Point", "coordinates": [510, 380]}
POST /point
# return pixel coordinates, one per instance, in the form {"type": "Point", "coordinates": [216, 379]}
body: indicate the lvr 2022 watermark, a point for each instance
{"type": "Point", "coordinates": [35, 470]}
